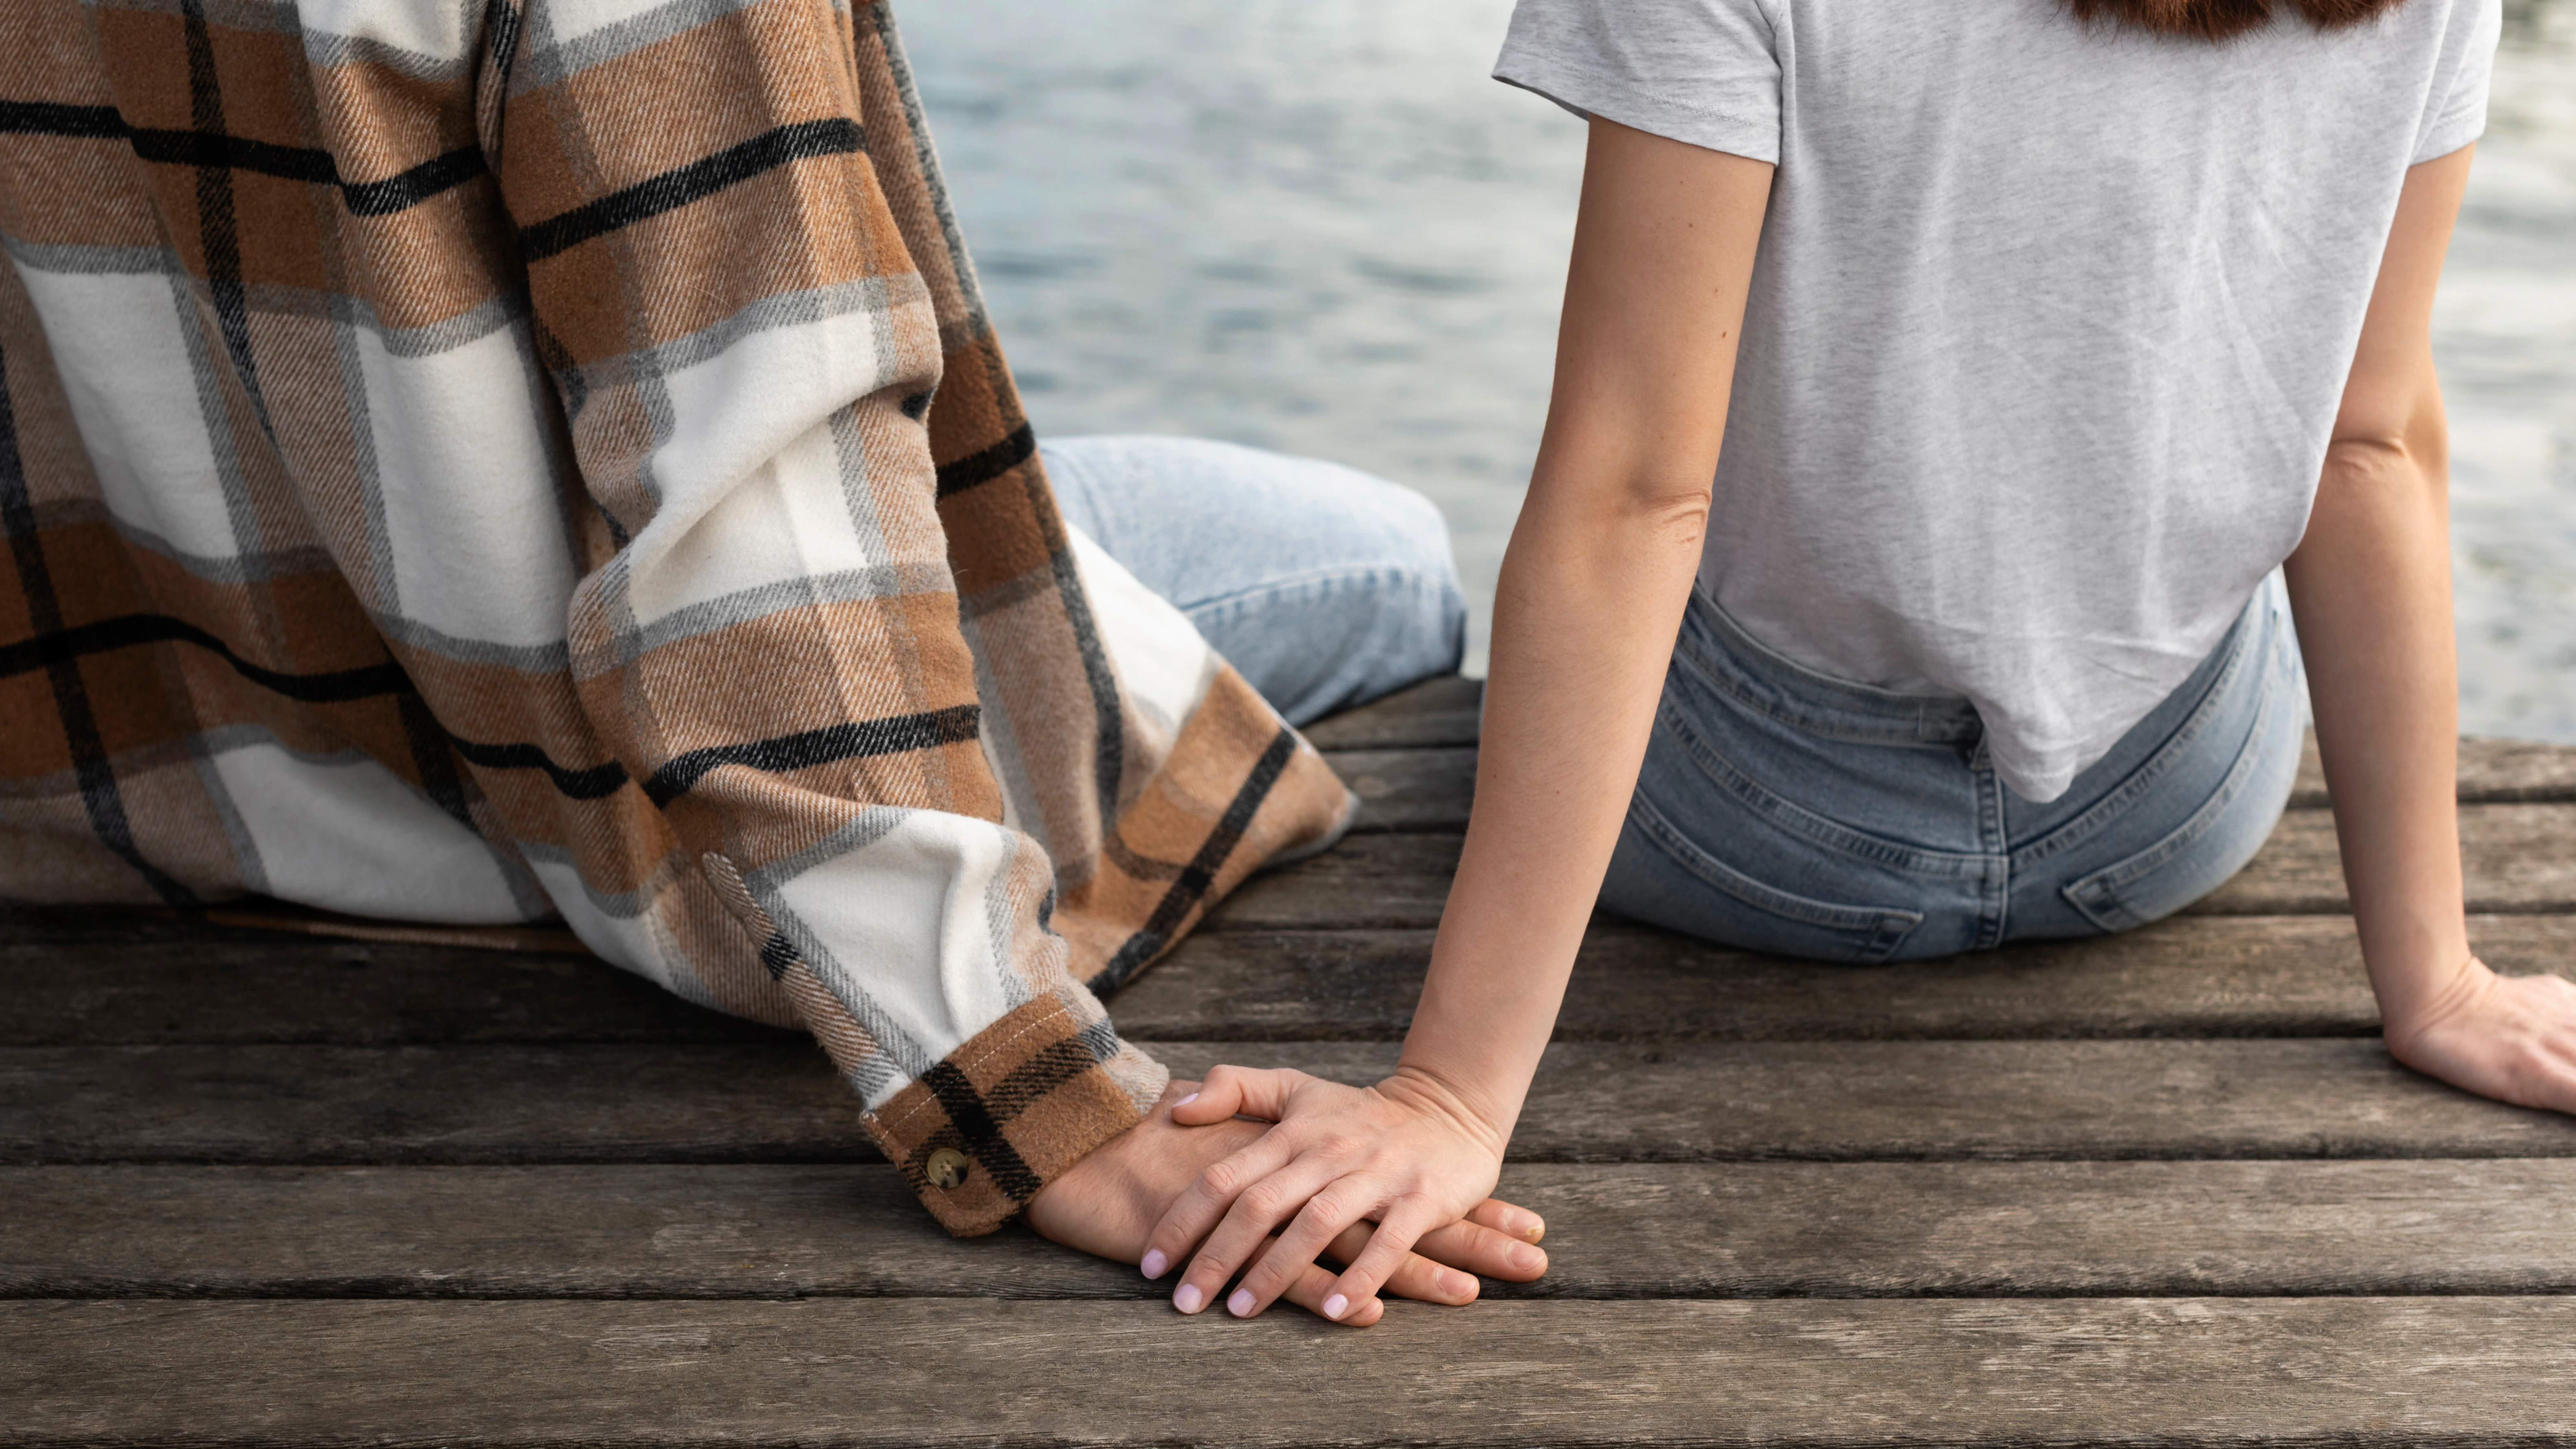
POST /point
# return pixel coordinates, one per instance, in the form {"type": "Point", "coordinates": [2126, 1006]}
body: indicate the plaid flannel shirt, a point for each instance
{"type": "Point", "coordinates": [479, 461]}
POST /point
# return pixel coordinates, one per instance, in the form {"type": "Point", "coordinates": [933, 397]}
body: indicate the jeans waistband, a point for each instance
{"type": "Point", "coordinates": [1719, 651]}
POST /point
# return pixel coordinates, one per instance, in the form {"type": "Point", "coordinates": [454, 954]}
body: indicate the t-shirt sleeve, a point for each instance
{"type": "Point", "coordinates": [2455, 113]}
{"type": "Point", "coordinates": [1702, 71]}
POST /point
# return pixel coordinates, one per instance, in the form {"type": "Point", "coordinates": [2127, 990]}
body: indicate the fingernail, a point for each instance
{"type": "Point", "coordinates": [1336, 1306]}
{"type": "Point", "coordinates": [1154, 1263]}
{"type": "Point", "coordinates": [1188, 1298]}
{"type": "Point", "coordinates": [1240, 1305]}
{"type": "Point", "coordinates": [1522, 1255]}
{"type": "Point", "coordinates": [1185, 1101]}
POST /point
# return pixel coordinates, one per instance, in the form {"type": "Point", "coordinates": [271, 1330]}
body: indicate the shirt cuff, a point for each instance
{"type": "Point", "coordinates": [980, 1132]}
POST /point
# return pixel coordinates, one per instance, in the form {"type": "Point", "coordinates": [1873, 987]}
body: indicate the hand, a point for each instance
{"type": "Point", "coordinates": [1107, 1202]}
{"type": "Point", "coordinates": [2512, 1038]}
{"type": "Point", "coordinates": [1405, 1153]}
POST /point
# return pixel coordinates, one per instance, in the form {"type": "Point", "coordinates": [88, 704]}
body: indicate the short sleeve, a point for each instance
{"type": "Point", "coordinates": [1702, 71]}
{"type": "Point", "coordinates": [2455, 111]}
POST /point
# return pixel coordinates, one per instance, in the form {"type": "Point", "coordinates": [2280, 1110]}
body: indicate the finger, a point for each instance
{"type": "Point", "coordinates": [1509, 1218]}
{"type": "Point", "coordinates": [1404, 1221]}
{"type": "Point", "coordinates": [1338, 1205]}
{"type": "Point", "coordinates": [1239, 1092]}
{"type": "Point", "coordinates": [1417, 1277]}
{"type": "Point", "coordinates": [1315, 1284]}
{"type": "Point", "coordinates": [1257, 1212]}
{"type": "Point", "coordinates": [1196, 1211]}
{"type": "Point", "coordinates": [1479, 1249]}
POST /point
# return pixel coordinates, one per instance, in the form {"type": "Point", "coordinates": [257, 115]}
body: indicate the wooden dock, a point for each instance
{"type": "Point", "coordinates": [2164, 1189]}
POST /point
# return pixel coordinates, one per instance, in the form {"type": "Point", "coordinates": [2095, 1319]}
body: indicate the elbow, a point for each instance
{"type": "Point", "coordinates": [1664, 516]}
{"type": "Point", "coordinates": [2386, 470]}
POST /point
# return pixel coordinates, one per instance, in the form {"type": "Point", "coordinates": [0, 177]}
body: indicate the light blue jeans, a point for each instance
{"type": "Point", "coordinates": [1326, 587]}
{"type": "Point", "coordinates": [1785, 811]}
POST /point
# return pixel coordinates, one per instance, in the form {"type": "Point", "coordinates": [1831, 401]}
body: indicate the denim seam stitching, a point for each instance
{"type": "Point", "coordinates": [1804, 910]}
{"type": "Point", "coordinates": [1913, 732]}
{"type": "Point", "coordinates": [1806, 824]}
{"type": "Point", "coordinates": [2111, 878]}
{"type": "Point", "coordinates": [2164, 760]}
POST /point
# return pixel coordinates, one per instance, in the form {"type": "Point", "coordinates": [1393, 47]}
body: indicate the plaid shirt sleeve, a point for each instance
{"type": "Point", "coordinates": [554, 459]}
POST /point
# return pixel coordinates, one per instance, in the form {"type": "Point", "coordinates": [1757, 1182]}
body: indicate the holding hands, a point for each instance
{"type": "Point", "coordinates": [1116, 1201]}
{"type": "Point", "coordinates": [1407, 1154]}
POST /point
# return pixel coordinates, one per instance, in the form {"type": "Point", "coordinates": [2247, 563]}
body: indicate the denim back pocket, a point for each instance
{"type": "Point", "coordinates": [1740, 911]}
{"type": "Point", "coordinates": [2215, 841]}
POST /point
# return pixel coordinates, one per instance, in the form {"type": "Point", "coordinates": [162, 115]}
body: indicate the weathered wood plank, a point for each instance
{"type": "Point", "coordinates": [2492, 772]}
{"type": "Point", "coordinates": [1436, 712]}
{"type": "Point", "coordinates": [2519, 858]}
{"type": "Point", "coordinates": [258, 986]}
{"type": "Point", "coordinates": [1683, 1230]}
{"type": "Point", "coordinates": [2207, 976]}
{"type": "Point", "coordinates": [1419, 787]}
{"type": "Point", "coordinates": [2191, 977]}
{"type": "Point", "coordinates": [2346, 1371]}
{"type": "Point", "coordinates": [1592, 1102]}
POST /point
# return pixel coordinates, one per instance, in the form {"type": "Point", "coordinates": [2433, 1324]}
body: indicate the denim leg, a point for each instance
{"type": "Point", "coordinates": [1325, 586]}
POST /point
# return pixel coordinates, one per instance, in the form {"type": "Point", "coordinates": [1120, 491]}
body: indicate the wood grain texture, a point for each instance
{"type": "Point", "coordinates": [2212, 976]}
{"type": "Point", "coordinates": [1416, 789]}
{"type": "Point", "coordinates": [2346, 1371]}
{"type": "Point", "coordinates": [1591, 1102]}
{"type": "Point", "coordinates": [2519, 859]}
{"type": "Point", "coordinates": [1428, 715]}
{"type": "Point", "coordinates": [2191, 977]}
{"type": "Point", "coordinates": [263, 986]}
{"type": "Point", "coordinates": [1679, 1230]}
{"type": "Point", "coordinates": [1429, 787]}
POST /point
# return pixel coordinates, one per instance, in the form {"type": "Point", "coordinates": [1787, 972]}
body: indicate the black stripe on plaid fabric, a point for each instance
{"type": "Point", "coordinates": [216, 231]}
{"type": "Point", "coordinates": [673, 189]}
{"type": "Point", "coordinates": [979, 1133]}
{"type": "Point", "coordinates": [1060, 1062]}
{"type": "Point", "coordinates": [597, 782]}
{"type": "Point", "coordinates": [127, 631]}
{"type": "Point", "coordinates": [100, 799]}
{"type": "Point", "coordinates": [928, 730]}
{"type": "Point", "coordinates": [986, 465]}
{"type": "Point", "coordinates": [266, 158]}
{"type": "Point", "coordinates": [777, 954]}
{"type": "Point", "coordinates": [1201, 873]}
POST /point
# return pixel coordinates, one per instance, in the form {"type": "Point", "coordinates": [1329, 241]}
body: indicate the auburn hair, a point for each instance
{"type": "Point", "coordinates": [2219, 19]}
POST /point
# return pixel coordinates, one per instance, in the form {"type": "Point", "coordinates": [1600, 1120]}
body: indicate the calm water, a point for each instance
{"type": "Point", "coordinates": [1315, 225]}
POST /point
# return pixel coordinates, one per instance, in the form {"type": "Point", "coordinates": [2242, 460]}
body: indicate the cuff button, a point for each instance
{"type": "Point", "coordinates": [946, 1168]}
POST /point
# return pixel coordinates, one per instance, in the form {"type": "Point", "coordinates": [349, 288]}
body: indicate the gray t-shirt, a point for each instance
{"type": "Point", "coordinates": [2048, 327]}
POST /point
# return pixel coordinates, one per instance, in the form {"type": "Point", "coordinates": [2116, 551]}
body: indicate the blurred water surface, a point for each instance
{"type": "Point", "coordinates": [1315, 225]}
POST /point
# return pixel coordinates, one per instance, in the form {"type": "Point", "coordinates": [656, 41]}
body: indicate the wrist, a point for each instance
{"type": "Point", "coordinates": [2422, 998]}
{"type": "Point", "coordinates": [1433, 1093]}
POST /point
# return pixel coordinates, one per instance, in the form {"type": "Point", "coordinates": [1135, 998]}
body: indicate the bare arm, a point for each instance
{"type": "Point", "coordinates": [2371, 588]}
{"type": "Point", "coordinates": [1591, 596]}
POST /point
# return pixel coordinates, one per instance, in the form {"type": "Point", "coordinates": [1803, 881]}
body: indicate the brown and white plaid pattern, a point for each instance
{"type": "Point", "coordinates": [476, 461]}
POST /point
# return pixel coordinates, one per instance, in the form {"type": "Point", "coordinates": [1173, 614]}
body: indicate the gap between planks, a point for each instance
{"type": "Point", "coordinates": [1744, 1230]}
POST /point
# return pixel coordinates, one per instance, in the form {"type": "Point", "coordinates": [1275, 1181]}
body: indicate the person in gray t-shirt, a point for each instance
{"type": "Point", "coordinates": [1965, 388]}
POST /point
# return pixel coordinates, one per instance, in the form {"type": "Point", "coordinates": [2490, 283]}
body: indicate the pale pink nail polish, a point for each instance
{"type": "Point", "coordinates": [1185, 1101]}
{"type": "Point", "coordinates": [1336, 1306]}
{"type": "Point", "coordinates": [1240, 1305]}
{"type": "Point", "coordinates": [1187, 1299]}
{"type": "Point", "coordinates": [1154, 1263]}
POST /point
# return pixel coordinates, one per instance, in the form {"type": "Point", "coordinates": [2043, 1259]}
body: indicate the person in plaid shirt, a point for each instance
{"type": "Point", "coordinates": [480, 461]}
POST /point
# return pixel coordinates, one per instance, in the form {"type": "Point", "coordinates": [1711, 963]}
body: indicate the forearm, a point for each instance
{"type": "Point", "coordinates": [2371, 587]}
{"type": "Point", "coordinates": [1584, 618]}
